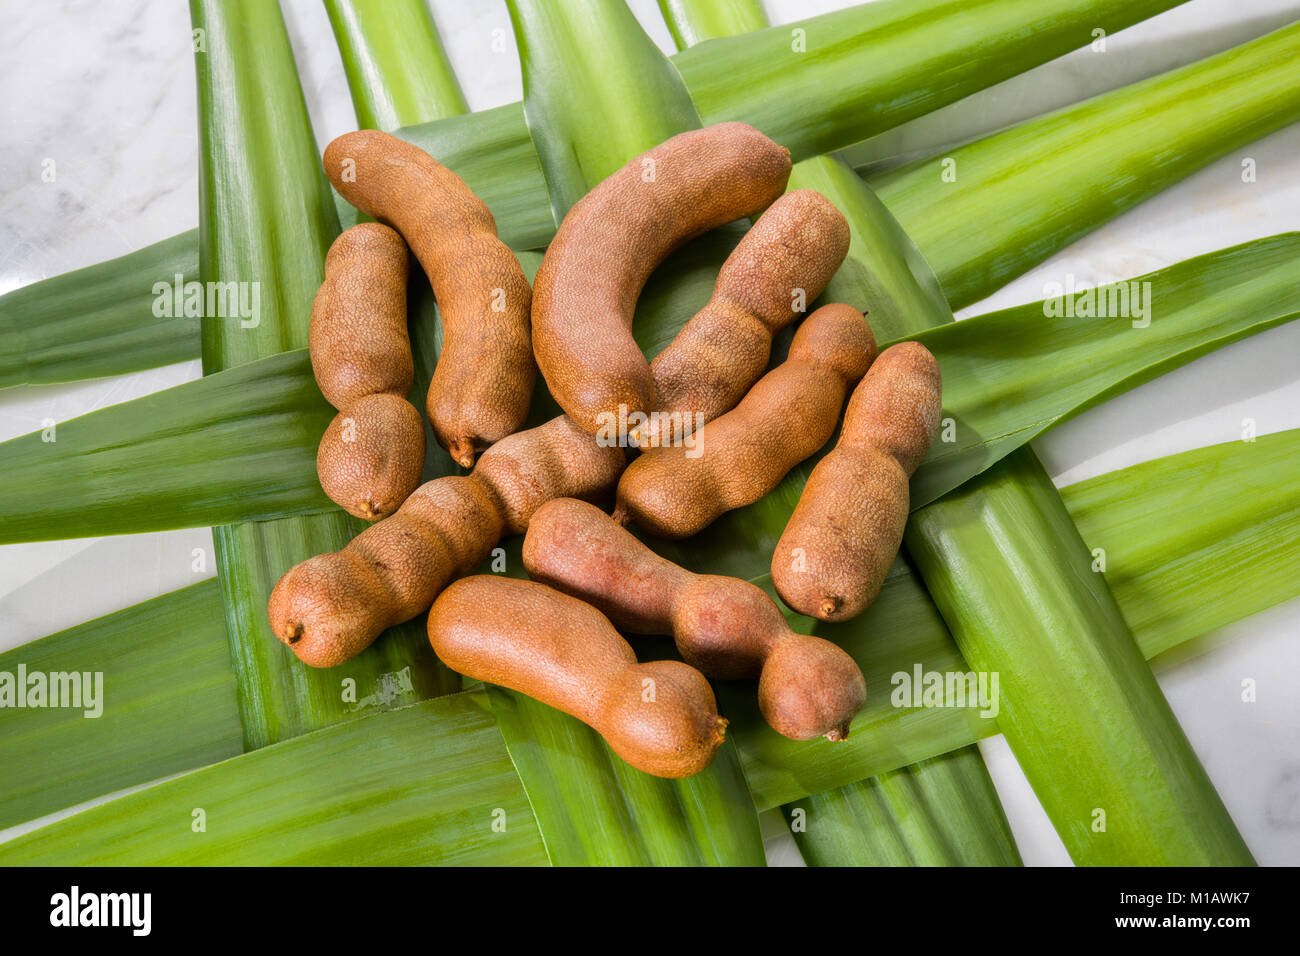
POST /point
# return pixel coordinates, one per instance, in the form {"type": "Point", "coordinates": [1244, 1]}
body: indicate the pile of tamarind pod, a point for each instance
{"type": "Point", "coordinates": [483, 381]}
{"type": "Point", "coordinates": [557, 638]}
{"type": "Point", "coordinates": [615, 236]}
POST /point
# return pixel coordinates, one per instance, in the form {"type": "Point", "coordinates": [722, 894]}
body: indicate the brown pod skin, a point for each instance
{"type": "Point", "coordinates": [564, 653]}
{"type": "Point", "coordinates": [358, 340]}
{"type": "Point", "coordinates": [330, 608]}
{"type": "Point", "coordinates": [846, 530]}
{"type": "Point", "coordinates": [728, 628]}
{"type": "Point", "coordinates": [372, 454]}
{"type": "Point", "coordinates": [742, 455]}
{"type": "Point", "coordinates": [795, 247]}
{"type": "Point", "coordinates": [613, 238]}
{"type": "Point", "coordinates": [483, 381]}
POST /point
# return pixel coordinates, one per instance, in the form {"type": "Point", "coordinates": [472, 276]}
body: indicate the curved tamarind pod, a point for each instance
{"type": "Point", "coordinates": [371, 456]}
{"type": "Point", "coordinates": [846, 530]}
{"type": "Point", "coordinates": [661, 717]}
{"type": "Point", "coordinates": [613, 238]}
{"type": "Point", "coordinates": [779, 266]}
{"type": "Point", "coordinates": [483, 382]}
{"type": "Point", "coordinates": [728, 628]}
{"type": "Point", "coordinates": [331, 607]}
{"type": "Point", "coordinates": [740, 456]}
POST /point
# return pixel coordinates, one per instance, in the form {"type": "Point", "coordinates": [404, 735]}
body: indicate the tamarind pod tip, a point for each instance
{"type": "Point", "coordinates": [838, 733]}
{"type": "Point", "coordinates": [621, 516]}
{"type": "Point", "coordinates": [828, 608]}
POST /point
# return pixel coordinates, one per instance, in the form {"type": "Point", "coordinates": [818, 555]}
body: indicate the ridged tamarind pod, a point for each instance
{"type": "Point", "coordinates": [728, 628]}
{"type": "Point", "coordinates": [846, 530]}
{"type": "Point", "coordinates": [611, 240]}
{"type": "Point", "coordinates": [372, 454]}
{"type": "Point", "coordinates": [331, 607]}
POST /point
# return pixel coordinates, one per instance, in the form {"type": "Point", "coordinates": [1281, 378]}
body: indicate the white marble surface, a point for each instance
{"type": "Point", "coordinates": [106, 90]}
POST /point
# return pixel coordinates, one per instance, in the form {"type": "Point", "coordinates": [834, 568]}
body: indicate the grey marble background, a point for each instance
{"type": "Point", "coordinates": [106, 90]}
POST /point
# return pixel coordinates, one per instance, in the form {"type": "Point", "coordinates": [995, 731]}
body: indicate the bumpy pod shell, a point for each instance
{"type": "Point", "coordinates": [846, 530]}
{"type": "Point", "coordinates": [372, 454]}
{"type": "Point", "coordinates": [742, 455]}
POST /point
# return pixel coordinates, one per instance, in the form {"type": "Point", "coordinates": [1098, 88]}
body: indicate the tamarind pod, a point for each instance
{"type": "Point", "coordinates": [612, 239]}
{"type": "Point", "coordinates": [483, 382]}
{"type": "Point", "coordinates": [357, 337]}
{"type": "Point", "coordinates": [661, 717]}
{"type": "Point", "coordinates": [737, 458]}
{"type": "Point", "coordinates": [331, 607]}
{"type": "Point", "coordinates": [781, 265]}
{"type": "Point", "coordinates": [372, 453]}
{"type": "Point", "coordinates": [728, 628]}
{"type": "Point", "coordinates": [847, 527]}
{"type": "Point", "coordinates": [371, 456]}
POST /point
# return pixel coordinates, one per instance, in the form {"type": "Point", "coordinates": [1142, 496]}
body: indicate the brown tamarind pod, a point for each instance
{"type": "Point", "coordinates": [661, 717]}
{"type": "Point", "coordinates": [483, 382]}
{"type": "Point", "coordinates": [739, 457]}
{"type": "Point", "coordinates": [781, 265]}
{"type": "Point", "coordinates": [846, 530]}
{"type": "Point", "coordinates": [728, 628]}
{"type": "Point", "coordinates": [611, 240]}
{"type": "Point", "coordinates": [331, 607]}
{"type": "Point", "coordinates": [372, 454]}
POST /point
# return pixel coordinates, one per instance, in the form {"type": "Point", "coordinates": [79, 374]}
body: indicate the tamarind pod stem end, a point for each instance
{"type": "Point", "coordinates": [621, 516]}
{"type": "Point", "coordinates": [720, 730]}
{"type": "Point", "coordinates": [828, 608]}
{"type": "Point", "coordinates": [462, 451]}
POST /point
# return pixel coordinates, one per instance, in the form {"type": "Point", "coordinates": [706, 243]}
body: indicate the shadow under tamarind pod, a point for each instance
{"type": "Point", "coordinates": [728, 628]}
{"type": "Point", "coordinates": [660, 716]}
{"type": "Point", "coordinates": [484, 377]}
{"type": "Point", "coordinates": [371, 455]}
{"type": "Point", "coordinates": [613, 238]}
{"type": "Point", "coordinates": [847, 528]}
{"type": "Point", "coordinates": [331, 607]}
{"type": "Point", "coordinates": [789, 413]}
